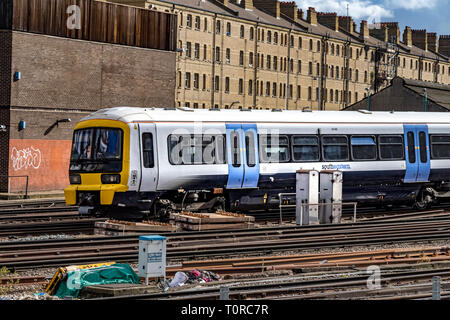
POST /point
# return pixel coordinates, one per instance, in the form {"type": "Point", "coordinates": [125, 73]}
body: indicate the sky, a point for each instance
{"type": "Point", "coordinates": [432, 15]}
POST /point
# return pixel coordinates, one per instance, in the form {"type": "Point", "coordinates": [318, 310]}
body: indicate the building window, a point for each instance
{"type": "Point", "coordinates": [299, 42]}
{"type": "Point", "coordinates": [337, 50]}
{"type": "Point", "coordinates": [291, 89]}
{"type": "Point", "coordinates": [250, 59]}
{"type": "Point", "coordinates": [337, 72]}
{"type": "Point", "coordinates": [336, 95]}
{"type": "Point", "coordinates": [228, 55]}
{"type": "Point", "coordinates": [267, 88]}
{"type": "Point", "coordinates": [242, 33]}
{"type": "Point", "coordinates": [196, 80]}
{"type": "Point", "coordinates": [365, 76]}
{"type": "Point", "coordinates": [205, 25]}
{"type": "Point", "coordinates": [356, 75]}
{"type": "Point", "coordinates": [252, 33]}
{"type": "Point", "coordinates": [216, 84]}
{"type": "Point", "coordinates": [218, 54]}
{"type": "Point", "coordinates": [275, 38]}
{"type": "Point", "coordinates": [274, 90]}
{"type": "Point", "coordinates": [197, 23]}
{"type": "Point", "coordinates": [189, 21]}
{"type": "Point", "coordinates": [317, 69]}
{"type": "Point", "coordinates": [332, 49]}
{"type": "Point", "coordinates": [317, 94]}
{"type": "Point", "coordinates": [228, 29]}
{"type": "Point", "coordinates": [204, 82]}
{"type": "Point", "coordinates": [179, 79]}
{"type": "Point", "coordinates": [291, 65]}
{"type": "Point", "coordinates": [187, 83]}
{"type": "Point", "coordinates": [241, 86]}
{"type": "Point", "coordinates": [262, 35]}
{"type": "Point", "coordinates": [309, 93]}
{"type": "Point", "coordinates": [268, 62]}
{"type": "Point", "coordinates": [318, 46]}
{"type": "Point", "coordinates": [205, 50]}
{"type": "Point", "coordinates": [292, 41]}
{"type": "Point", "coordinates": [188, 49]}
{"type": "Point", "coordinates": [299, 93]}
{"type": "Point", "coordinates": [310, 45]}
{"type": "Point", "coordinates": [197, 51]}
{"type": "Point", "coordinates": [217, 27]}
{"type": "Point", "coordinates": [269, 36]}
{"type": "Point", "coordinates": [310, 68]}
{"type": "Point", "coordinates": [241, 58]}
{"type": "Point", "coordinates": [227, 85]}
{"type": "Point", "coordinates": [275, 63]}
{"type": "Point", "coordinates": [250, 87]}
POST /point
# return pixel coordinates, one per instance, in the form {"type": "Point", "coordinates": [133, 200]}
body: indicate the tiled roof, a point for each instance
{"type": "Point", "coordinates": [258, 15]}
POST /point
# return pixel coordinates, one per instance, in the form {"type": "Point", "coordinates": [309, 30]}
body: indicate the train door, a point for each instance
{"type": "Point", "coordinates": [242, 154]}
{"type": "Point", "coordinates": [251, 158]}
{"type": "Point", "coordinates": [235, 147]}
{"type": "Point", "coordinates": [149, 161]}
{"type": "Point", "coordinates": [417, 151]}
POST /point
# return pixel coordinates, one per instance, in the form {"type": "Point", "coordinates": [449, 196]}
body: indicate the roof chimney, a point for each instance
{"type": "Point", "coordinates": [346, 23]}
{"type": "Point", "coordinates": [432, 41]}
{"type": "Point", "coordinates": [393, 31]}
{"type": "Point", "coordinates": [289, 9]}
{"type": "Point", "coordinates": [407, 36]}
{"type": "Point", "coordinates": [420, 39]}
{"type": "Point", "coordinates": [380, 33]}
{"type": "Point", "coordinates": [300, 14]}
{"type": "Point", "coordinates": [311, 16]}
{"type": "Point", "coordinates": [444, 45]}
{"type": "Point", "coordinates": [329, 19]}
{"type": "Point", "coordinates": [363, 30]}
{"type": "Point", "coordinates": [272, 6]}
{"type": "Point", "coordinates": [247, 4]}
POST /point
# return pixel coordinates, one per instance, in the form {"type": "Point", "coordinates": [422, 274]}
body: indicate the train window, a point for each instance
{"type": "Point", "coordinates": [440, 147]}
{"type": "Point", "coordinates": [305, 148]}
{"type": "Point", "coordinates": [423, 147]}
{"type": "Point", "coordinates": [364, 148]}
{"type": "Point", "coordinates": [274, 148]}
{"type": "Point", "coordinates": [196, 149]}
{"type": "Point", "coordinates": [250, 148]}
{"type": "Point", "coordinates": [411, 147]}
{"type": "Point", "coordinates": [235, 149]}
{"type": "Point", "coordinates": [147, 150]}
{"type": "Point", "coordinates": [335, 148]}
{"type": "Point", "coordinates": [391, 147]}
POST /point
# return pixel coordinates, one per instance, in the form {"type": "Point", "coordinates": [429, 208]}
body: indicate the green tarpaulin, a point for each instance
{"type": "Point", "coordinates": [76, 280]}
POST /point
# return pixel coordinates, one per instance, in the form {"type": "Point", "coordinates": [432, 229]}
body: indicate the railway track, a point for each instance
{"type": "Point", "coordinates": [44, 224]}
{"type": "Point", "coordinates": [403, 284]}
{"type": "Point", "coordinates": [191, 245]}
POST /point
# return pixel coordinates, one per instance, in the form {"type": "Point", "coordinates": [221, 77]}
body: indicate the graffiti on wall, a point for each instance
{"type": "Point", "coordinates": [26, 158]}
{"type": "Point", "coordinates": [44, 162]}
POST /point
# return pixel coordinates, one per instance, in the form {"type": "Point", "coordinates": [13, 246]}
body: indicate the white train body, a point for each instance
{"type": "Point", "coordinates": [241, 160]}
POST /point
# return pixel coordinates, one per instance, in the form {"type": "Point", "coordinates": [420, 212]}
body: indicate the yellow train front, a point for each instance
{"type": "Point", "coordinates": [99, 165]}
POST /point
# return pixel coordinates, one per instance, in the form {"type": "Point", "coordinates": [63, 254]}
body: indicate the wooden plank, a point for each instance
{"type": "Point", "coordinates": [206, 218]}
{"type": "Point", "coordinates": [200, 227]}
{"type": "Point", "coordinates": [134, 226]}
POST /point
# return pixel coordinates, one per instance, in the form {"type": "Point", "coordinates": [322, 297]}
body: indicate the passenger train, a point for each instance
{"type": "Point", "coordinates": [136, 161]}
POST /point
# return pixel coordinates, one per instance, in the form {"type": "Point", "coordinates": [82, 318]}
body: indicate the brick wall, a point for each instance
{"type": "Point", "coordinates": [83, 75]}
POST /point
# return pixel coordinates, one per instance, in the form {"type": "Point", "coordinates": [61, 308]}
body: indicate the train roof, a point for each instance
{"type": "Point", "coordinates": [174, 115]}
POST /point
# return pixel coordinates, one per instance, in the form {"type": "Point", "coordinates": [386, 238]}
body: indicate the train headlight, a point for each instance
{"type": "Point", "coordinates": [75, 179]}
{"type": "Point", "coordinates": [110, 178]}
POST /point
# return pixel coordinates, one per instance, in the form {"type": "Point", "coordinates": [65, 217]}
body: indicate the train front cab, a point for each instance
{"type": "Point", "coordinates": [99, 164]}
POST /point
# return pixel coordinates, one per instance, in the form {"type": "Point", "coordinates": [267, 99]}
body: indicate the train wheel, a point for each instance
{"type": "Point", "coordinates": [423, 201]}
